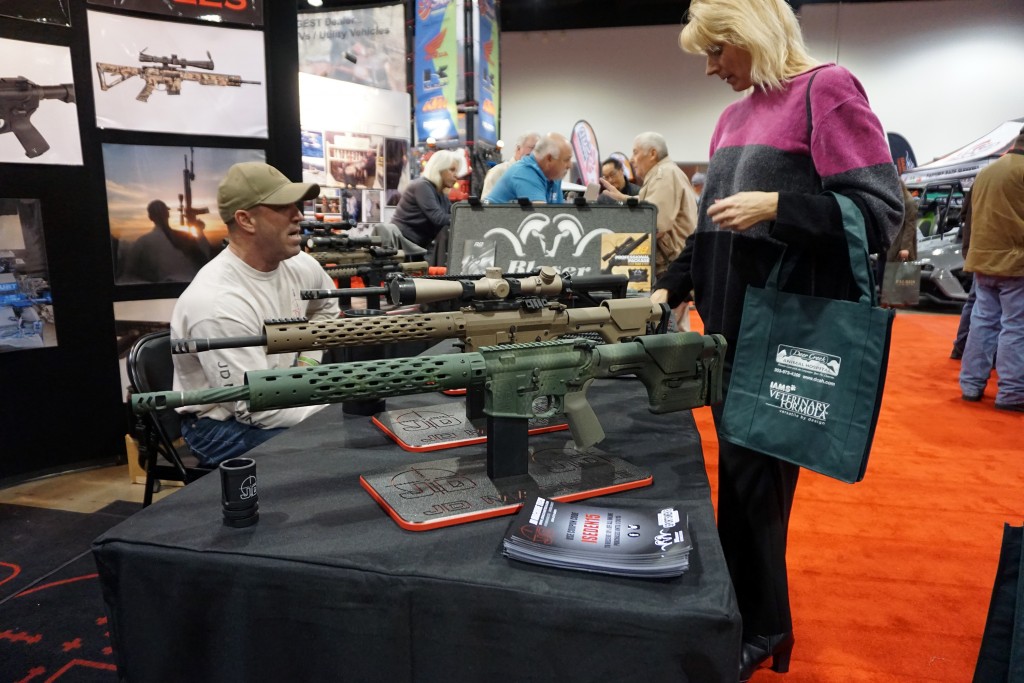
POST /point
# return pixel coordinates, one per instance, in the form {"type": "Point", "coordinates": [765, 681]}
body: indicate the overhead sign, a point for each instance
{"type": "Point", "coordinates": [217, 11]}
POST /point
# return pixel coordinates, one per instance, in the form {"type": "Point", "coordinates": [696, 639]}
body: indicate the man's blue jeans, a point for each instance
{"type": "Point", "coordinates": [214, 441]}
{"type": "Point", "coordinates": [997, 332]}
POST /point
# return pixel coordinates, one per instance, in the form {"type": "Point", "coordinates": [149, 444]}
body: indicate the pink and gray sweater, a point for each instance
{"type": "Point", "coordinates": [765, 142]}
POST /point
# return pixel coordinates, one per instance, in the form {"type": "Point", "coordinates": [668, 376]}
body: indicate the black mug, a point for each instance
{"type": "Point", "coordinates": [239, 497]}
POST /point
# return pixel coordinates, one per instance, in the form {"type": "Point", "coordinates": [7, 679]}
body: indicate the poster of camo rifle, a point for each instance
{"type": "Point", "coordinates": [53, 12]}
{"type": "Point", "coordinates": [363, 46]}
{"type": "Point", "coordinates": [26, 307]}
{"type": "Point", "coordinates": [37, 105]}
{"type": "Point", "coordinates": [217, 11]}
{"type": "Point", "coordinates": [177, 78]}
{"type": "Point", "coordinates": [162, 208]}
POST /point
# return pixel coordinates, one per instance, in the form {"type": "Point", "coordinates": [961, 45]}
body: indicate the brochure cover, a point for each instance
{"type": "Point", "coordinates": [651, 542]}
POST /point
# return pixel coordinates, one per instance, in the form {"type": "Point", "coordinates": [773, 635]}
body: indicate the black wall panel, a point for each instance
{"type": "Point", "coordinates": [61, 407]}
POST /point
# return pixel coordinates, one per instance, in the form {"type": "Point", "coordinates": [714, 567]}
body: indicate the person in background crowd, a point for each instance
{"type": "Point", "coordinates": [765, 197]}
{"type": "Point", "coordinates": [668, 188]}
{"type": "Point", "coordinates": [424, 209]}
{"type": "Point", "coordinates": [524, 146]}
{"type": "Point", "coordinates": [613, 171]}
{"type": "Point", "coordinates": [258, 276]}
{"type": "Point", "coordinates": [996, 258]}
{"type": "Point", "coordinates": [904, 246]}
{"type": "Point", "coordinates": [697, 180]}
{"type": "Point", "coordinates": [538, 177]}
{"type": "Point", "coordinates": [965, 313]}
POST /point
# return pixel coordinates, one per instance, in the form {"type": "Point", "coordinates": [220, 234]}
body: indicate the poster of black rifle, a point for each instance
{"type": "Point", "coordinates": [38, 114]}
{"type": "Point", "coordinates": [638, 539]}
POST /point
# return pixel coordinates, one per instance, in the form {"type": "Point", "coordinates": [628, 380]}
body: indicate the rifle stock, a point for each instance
{"type": "Point", "coordinates": [680, 371]}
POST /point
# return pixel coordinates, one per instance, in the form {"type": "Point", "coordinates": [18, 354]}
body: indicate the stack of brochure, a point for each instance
{"type": "Point", "coordinates": [650, 542]}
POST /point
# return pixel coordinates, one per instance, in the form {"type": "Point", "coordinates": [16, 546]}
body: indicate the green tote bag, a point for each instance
{"type": "Point", "coordinates": [807, 379]}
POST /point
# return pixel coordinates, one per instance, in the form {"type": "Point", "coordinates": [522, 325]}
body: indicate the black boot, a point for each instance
{"type": "Point", "coordinates": [757, 650]}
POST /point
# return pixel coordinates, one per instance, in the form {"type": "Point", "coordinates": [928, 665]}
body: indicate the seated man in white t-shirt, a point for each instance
{"type": "Point", "coordinates": [258, 276]}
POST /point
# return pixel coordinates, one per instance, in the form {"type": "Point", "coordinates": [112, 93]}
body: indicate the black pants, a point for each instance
{"type": "Point", "coordinates": [755, 496]}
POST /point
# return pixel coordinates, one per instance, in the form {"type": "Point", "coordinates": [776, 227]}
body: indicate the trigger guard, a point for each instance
{"type": "Point", "coordinates": [555, 406]}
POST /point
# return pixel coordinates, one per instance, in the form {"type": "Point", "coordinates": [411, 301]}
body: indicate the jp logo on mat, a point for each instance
{"type": "Point", "coordinates": [805, 359]}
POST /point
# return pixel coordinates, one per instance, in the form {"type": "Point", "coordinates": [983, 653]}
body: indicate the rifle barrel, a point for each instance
{"type": "Point", "coordinates": [311, 294]}
{"type": "Point", "coordinates": [199, 344]}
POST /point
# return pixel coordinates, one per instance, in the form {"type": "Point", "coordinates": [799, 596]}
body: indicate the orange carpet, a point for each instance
{"type": "Point", "coordinates": [890, 578]}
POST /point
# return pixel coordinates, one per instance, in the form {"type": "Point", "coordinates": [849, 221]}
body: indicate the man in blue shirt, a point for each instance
{"type": "Point", "coordinates": [538, 177]}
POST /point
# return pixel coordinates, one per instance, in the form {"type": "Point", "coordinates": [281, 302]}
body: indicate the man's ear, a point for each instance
{"type": "Point", "coordinates": [244, 220]}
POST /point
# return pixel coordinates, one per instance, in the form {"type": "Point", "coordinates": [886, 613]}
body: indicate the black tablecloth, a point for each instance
{"type": "Point", "coordinates": [326, 587]}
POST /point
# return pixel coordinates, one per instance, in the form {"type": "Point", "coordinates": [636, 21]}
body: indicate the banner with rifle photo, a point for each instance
{"type": "Point", "coordinates": [162, 207]}
{"type": "Point", "coordinates": [177, 78]}
{"type": "Point", "coordinates": [38, 114]}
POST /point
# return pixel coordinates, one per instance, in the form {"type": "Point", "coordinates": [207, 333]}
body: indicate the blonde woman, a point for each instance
{"type": "Point", "coordinates": [424, 209]}
{"type": "Point", "coordinates": [802, 128]}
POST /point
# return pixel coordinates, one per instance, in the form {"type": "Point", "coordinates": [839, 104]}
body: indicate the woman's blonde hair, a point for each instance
{"type": "Point", "coordinates": [440, 160]}
{"type": "Point", "coordinates": [767, 29]}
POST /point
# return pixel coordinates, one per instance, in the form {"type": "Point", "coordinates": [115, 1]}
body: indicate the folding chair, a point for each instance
{"type": "Point", "coordinates": [161, 452]}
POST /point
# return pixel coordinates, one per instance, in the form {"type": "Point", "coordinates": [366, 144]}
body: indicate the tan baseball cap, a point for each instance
{"type": "Point", "coordinates": [252, 182]}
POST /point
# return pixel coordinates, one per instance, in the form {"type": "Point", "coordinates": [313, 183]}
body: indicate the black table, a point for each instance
{"type": "Point", "coordinates": [327, 587]}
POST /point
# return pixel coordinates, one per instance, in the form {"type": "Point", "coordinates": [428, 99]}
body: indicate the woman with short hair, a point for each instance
{"type": "Point", "coordinates": [424, 209]}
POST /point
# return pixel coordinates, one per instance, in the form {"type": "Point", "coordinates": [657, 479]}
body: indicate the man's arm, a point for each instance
{"type": "Point", "coordinates": [227, 368]}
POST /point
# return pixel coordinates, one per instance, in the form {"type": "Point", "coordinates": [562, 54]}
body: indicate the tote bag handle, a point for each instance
{"type": "Point", "coordinates": [857, 246]}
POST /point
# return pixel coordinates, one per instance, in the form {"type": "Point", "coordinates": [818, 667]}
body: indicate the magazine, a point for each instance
{"type": "Point", "coordinates": [652, 542]}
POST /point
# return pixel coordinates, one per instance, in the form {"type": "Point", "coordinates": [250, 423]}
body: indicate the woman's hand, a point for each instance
{"type": "Point", "coordinates": [659, 296]}
{"type": "Point", "coordinates": [903, 255]}
{"type": "Point", "coordinates": [744, 209]}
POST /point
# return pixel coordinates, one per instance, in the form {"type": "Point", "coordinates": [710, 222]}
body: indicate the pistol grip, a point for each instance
{"type": "Point", "coordinates": [30, 138]}
{"type": "Point", "coordinates": [583, 424]}
{"type": "Point", "coordinates": [146, 91]}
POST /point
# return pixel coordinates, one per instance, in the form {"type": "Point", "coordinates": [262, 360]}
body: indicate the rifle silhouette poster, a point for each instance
{"type": "Point", "coordinates": [177, 78]}
{"type": "Point", "coordinates": [162, 209]}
